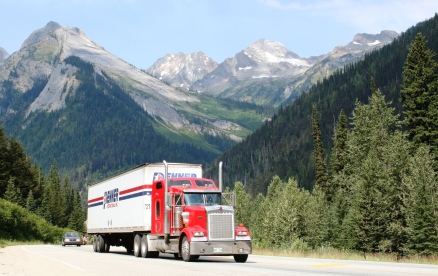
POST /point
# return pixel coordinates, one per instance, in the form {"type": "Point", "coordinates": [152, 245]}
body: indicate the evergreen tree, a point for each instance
{"type": "Point", "coordinates": [321, 168]}
{"type": "Point", "coordinates": [422, 208]}
{"type": "Point", "coordinates": [337, 160]}
{"type": "Point", "coordinates": [377, 155]}
{"type": "Point", "coordinates": [67, 202]}
{"type": "Point", "coordinates": [13, 193]}
{"type": "Point", "coordinates": [257, 217]}
{"type": "Point", "coordinates": [4, 171]}
{"type": "Point", "coordinates": [20, 168]}
{"type": "Point", "coordinates": [243, 204]}
{"type": "Point", "coordinates": [420, 94]}
{"type": "Point", "coordinates": [30, 203]}
{"type": "Point", "coordinates": [56, 206]}
{"type": "Point", "coordinates": [76, 218]}
{"type": "Point", "coordinates": [44, 209]}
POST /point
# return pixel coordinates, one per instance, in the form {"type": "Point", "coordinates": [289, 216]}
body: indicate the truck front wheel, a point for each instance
{"type": "Point", "coordinates": [185, 251]}
{"type": "Point", "coordinates": [137, 245]}
{"type": "Point", "coordinates": [241, 258]}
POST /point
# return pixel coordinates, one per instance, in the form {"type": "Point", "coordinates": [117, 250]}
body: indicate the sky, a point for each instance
{"type": "Point", "coordinates": [142, 31]}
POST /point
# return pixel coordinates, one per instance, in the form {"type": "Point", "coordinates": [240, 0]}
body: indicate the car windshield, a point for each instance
{"type": "Point", "coordinates": [72, 234]}
{"type": "Point", "coordinates": [202, 199]}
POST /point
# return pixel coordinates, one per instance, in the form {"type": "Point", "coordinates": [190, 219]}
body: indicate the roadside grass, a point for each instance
{"type": "Point", "coordinates": [4, 243]}
{"type": "Point", "coordinates": [347, 255]}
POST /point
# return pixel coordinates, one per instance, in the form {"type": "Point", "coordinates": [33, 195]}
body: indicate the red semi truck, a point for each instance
{"type": "Point", "coordinates": [167, 208]}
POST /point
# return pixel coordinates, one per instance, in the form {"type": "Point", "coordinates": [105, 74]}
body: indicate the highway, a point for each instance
{"type": "Point", "coordinates": [73, 260]}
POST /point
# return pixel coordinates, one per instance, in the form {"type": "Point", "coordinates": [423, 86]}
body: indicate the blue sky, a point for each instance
{"type": "Point", "coordinates": [142, 31]}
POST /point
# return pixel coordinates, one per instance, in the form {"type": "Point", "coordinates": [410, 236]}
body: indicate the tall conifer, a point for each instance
{"type": "Point", "coordinates": [321, 167]}
{"type": "Point", "coordinates": [419, 94]}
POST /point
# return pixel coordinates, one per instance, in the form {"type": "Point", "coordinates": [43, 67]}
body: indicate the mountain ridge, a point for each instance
{"type": "Point", "coordinates": [265, 61]}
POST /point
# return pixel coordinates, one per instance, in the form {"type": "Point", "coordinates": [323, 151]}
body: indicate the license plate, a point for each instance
{"type": "Point", "coordinates": [217, 250]}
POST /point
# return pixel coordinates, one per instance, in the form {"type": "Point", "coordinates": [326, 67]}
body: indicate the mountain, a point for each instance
{"type": "Point", "coordinates": [283, 146]}
{"type": "Point", "coordinates": [182, 70]}
{"type": "Point", "coordinates": [262, 59]}
{"type": "Point", "coordinates": [267, 73]}
{"type": "Point", "coordinates": [68, 99]}
{"type": "Point", "coordinates": [3, 54]}
{"type": "Point", "coordinates": [338, 58]}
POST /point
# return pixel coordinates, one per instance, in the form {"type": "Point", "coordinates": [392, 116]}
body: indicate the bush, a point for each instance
{"type": "Point", "coordinates": [16, 223]}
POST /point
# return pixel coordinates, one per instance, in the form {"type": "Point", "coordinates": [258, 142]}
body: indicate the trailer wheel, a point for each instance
{"type": "Point", "coordinates": [137, 245]}
{"type": "Point", "coordinates": [241, 258]}
{"type": "Point", "coordinates": [107, 244]}
{"type": "Point", "coordinates": [100, 244]}
{"type": "Point", "coordinates": [95, 243]}
{"type": "Point", "coordinates": [185, 251]}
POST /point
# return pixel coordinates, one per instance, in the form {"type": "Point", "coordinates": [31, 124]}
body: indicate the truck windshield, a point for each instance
{"type": "Point", "coordinates": [202, 199]}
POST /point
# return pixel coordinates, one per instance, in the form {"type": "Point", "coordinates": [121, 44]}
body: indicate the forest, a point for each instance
{"type": "Point", "coordinates": [34, 206]}
{"type": "Point", "coordinates": [378, 191]}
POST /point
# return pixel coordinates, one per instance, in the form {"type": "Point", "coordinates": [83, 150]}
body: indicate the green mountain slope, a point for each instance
{"type": "Point", "coordinates": [65, 98]}
{"type": "Point", "coordinates": [101, 130]}
{"type": "Point", "coordinates": [284, 146]}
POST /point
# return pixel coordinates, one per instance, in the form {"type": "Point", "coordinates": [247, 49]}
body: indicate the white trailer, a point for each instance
{"type": "Point", "coordinates": [113, 204]}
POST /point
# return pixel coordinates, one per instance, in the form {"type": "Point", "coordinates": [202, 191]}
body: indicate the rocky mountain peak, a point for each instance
{"type": "Point", "coordinates": [39, 34]}
{"type": "Point", "coordinates": [3, 54]}
{"type": "Point", "coordinates": [182, 69]}
{"type": "Point", "coordinates": [362, 43]}
{"type": "Point", "coordinates": [270, 51]}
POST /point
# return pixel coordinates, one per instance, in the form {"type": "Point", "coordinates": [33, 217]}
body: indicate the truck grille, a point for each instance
{"type": "Point", "coordinates": [220, 223]}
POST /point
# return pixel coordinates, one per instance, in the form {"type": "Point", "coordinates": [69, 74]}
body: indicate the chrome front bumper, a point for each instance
{"type": "Point", "coordinates": [217, 248]}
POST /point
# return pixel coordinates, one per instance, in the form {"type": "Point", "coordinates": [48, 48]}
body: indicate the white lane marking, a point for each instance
{"type": "Point", "coordinates": [59, 261]}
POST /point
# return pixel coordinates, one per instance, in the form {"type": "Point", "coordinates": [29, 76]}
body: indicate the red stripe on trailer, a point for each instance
{"type": "Point", "coordinates": [95, 199]}
{"type": "Point", "coordinates": [136, 189]}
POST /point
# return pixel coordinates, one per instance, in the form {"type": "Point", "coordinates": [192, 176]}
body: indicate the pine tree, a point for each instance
{"type": "Point", "coordinates": [421, 203]}
{"type": "Point", "coordinates": [30, 203]}
{"type": "Point", "coordinates": [243, 204]}
{"type": "Point", "coordinates": [67, 202]}
{"type": "Point", "coordinates": [76, 218]}
{"type": "Point", "coordinates": [13, 193]}
{"type": "Point", "coordinates": [337, 160]}
{"type": "Point", "coordinates": [44, 209]}
{"type": "Point", "coordinates": [419, 94]}
{"type": "Point", "coordinates": [55, 196]}
{"type": "Point", "coordinates": [257, 217]}
{"type": "Point", "coordinates": [321, 167]}
{"type": "Point", "coordinates": [20, 167]}
{"type": "Point", "coordinates": [4, 167]}
{"type": "Point", "coordinates": [377, 155]}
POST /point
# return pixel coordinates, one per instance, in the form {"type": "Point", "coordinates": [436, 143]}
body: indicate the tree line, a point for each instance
{"type": "Point", "coordinates": [49, 196]}
{"type": "Point", "coordinates": [376, 191]}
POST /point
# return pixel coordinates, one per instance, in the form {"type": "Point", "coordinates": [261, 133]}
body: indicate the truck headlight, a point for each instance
{"type": "Point", "coordinates": [242, 233]}
{"type": "Point", "coordinates": [198, 234]}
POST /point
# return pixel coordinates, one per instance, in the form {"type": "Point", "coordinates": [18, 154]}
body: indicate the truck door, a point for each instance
{"type": "Point", "coordinates": [157, 226]}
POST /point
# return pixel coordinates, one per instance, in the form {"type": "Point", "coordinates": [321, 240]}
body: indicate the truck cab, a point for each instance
{"type": "Point", "coordinates": [192, 218]}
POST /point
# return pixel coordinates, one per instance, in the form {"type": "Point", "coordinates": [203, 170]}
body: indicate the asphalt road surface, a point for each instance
{"type": "Point", "coordinates": [73, 260]}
